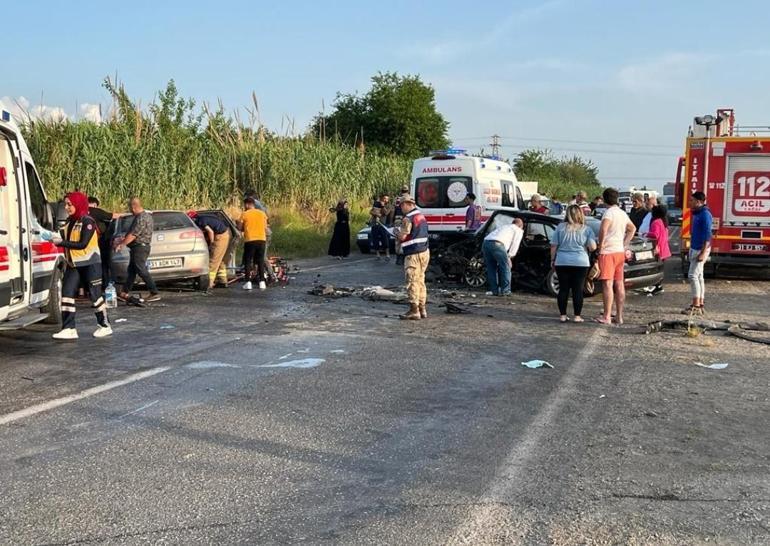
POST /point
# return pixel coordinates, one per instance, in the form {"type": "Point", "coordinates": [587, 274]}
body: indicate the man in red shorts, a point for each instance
{"type": "Point", "coordinates": [615, 235]}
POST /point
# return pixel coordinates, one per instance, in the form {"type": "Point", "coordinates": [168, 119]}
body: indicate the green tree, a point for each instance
{"type": "Point", "coordinates": [398, 114]}
{"type": "Point", "coordinates": [562, 177]}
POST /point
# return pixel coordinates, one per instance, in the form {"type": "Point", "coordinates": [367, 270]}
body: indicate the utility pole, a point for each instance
{"type": "Point", "coordinates": [495, 145]}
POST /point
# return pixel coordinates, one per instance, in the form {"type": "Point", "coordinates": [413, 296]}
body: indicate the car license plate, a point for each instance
{"type": "Point", "coordinates": [641, 256]}
{"type": "Point", "coordinates": [363, 236]}
{"type": "Point", "coordinates": [166, 263]}
{"type": "Point", "coordinates": [749, 247]}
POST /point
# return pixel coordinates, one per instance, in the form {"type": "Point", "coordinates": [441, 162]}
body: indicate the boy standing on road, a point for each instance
{"type": "Point", "coordinates": [615, 234]}
{"type": "Point", "coordinates": [700, 249]}
{"type": "Point", "coordinates": [253, 224]}
{"type": "Point", "coordinates": [472, 213]}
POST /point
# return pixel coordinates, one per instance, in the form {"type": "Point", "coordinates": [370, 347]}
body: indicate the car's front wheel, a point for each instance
{"type": "Point", "coordinates": [475, 274]}
{"type": "Point", "coordinates": [551, 284]}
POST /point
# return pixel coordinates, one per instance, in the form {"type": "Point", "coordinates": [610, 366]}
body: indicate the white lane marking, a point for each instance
{"type": "Point", "coordinates": [51, 404]}
{"type": "Point", "coordinates": [337, 351]}
{"type": "Point", "coordinates": [304, 363]}
{"type": "Point", "coordinates": [481, 519]}
{"type": "Point", "coordinates": [140, 408]}
{"type": "Point", "coordinates": [208, 364]}
{"type": "Point", "coordinates": [284, 357]}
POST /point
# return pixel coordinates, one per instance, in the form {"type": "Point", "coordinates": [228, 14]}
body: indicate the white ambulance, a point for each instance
{"type": "Point", "coordinates": [30, 268]}
{"type": "Point", "coordinates": [441, 182]}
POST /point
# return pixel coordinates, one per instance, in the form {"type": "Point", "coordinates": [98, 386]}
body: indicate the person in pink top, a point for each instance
{"type": "Point", "coordinates": [659, 233]}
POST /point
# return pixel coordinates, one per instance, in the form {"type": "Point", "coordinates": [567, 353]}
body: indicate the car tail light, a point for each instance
{"type": "Point", "coordinates": [191, 234]}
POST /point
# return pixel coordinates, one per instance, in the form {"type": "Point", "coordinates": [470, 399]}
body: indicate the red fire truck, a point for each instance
{"type": "Point", "coordinates": [731, 165]}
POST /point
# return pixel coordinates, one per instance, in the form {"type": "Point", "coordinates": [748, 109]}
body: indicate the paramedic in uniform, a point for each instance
{"type": "Point", "coordinates": [83, 267]}
{"type": "Point", "coordinates": [413, 235]}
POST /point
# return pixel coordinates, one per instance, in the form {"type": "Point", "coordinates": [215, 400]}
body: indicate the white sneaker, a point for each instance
{"type": "Point", "coordinates": [488, 293]}
{"type": "Point", "coordinates": [262, 285]}
{"type": "Point", "coordinates": [103, 331]}
{"type": "Point", "coordinates": [66, 333]}
{"type": "Point", "coordinates": [247, 286]}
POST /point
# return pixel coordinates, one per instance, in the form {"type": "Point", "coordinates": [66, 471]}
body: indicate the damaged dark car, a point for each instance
{"type": "Point", "coordinates": [463, 261]}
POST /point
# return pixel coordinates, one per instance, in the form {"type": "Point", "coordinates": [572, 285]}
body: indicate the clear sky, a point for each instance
{"type": "Point", "coordinates": [585, 77]}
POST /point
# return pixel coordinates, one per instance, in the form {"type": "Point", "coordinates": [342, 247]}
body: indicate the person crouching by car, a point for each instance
{"type": "Point", "coordinates": [83, 266]}
{"type": "Point", "coordinates": [569, 258]}
{"type": "Point", "coordinates": [413, 235]}
{"type": "Point", "coordinates": [138, 240]}
{"type": "Point", "coordinates": [499, 248]}
{"type": "Point", "coordinates": [217, 236]}
{"type": "Point", "coordinates": [253, 224]}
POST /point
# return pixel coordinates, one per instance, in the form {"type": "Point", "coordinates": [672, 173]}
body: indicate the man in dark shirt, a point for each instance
{"type": "Point", "coordinates": [103, 218]}
{"type": "Point", "coordinates": [138, 240]}
{"type": "Point", "coordinates": [638, 211]}
{"type": "Point", "coordinates": [217, 235]}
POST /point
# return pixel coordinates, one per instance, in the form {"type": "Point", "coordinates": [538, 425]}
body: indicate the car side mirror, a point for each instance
{"type": "Point", "coordinates": [60, 214]}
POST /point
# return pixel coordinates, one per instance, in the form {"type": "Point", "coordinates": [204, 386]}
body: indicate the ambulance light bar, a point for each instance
{"type": "Point", "coordinates": [450, 151]}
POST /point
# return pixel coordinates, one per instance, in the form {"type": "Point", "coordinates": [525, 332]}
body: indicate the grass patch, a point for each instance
{"type": "Point", "coordinates": [306, 234]}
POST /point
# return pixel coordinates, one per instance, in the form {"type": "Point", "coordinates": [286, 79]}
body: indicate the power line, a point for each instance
{"type": "Point", "coordinates": [595, 151]}
{"type": "Point", "coordinates": [567, 141]}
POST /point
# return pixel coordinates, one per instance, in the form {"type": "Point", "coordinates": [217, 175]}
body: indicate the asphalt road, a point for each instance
{"type": "Point", "coordinates": [282, 417]}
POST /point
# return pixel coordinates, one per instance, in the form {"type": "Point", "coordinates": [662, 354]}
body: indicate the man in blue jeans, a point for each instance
{"type": "Point", "coordinates": [500, 247]}
{"type": "Point", "coordinates": [700, 248]}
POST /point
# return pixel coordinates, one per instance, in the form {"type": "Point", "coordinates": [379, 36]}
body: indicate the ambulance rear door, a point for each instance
{"type": "Point", "coordinates": [14, 272]}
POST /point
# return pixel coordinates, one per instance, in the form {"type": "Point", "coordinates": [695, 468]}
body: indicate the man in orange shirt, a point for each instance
{"type": "Point", "coordinates": [253, 224]}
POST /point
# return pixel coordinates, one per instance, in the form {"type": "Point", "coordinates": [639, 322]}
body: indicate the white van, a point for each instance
{"type": "Point", "coordinates": [440, 183]}
{"type": "Point", "coordinates": [30, 268]}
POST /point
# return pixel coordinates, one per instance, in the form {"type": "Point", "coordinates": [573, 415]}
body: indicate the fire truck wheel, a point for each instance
{"type": "Point", "coordinates": [53, 308]}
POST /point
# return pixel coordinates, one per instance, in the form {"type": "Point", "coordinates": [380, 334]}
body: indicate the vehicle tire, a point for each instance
{"type": "Point", "coordinates": [201, 283]}
{"type": "Point", "coordinates": [551, 284]}
{"type": "Point", "coordinates": [475, 274]}
{"type": "Point", "coordinates": [53, 307]}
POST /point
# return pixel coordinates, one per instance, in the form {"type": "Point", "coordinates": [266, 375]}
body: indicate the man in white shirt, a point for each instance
{"type": "Point", "coordinates": [615, 234]}
{"type": "Point", "coordinates": [499, 247]}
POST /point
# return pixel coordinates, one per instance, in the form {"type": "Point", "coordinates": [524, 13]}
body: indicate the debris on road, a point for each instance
{"type": "Point", "coordinates": [720, 366]}
{"type": "Point", "coordinates": [536, 364]}
{"type": "Point", "coordinates": [696, 327]}
{"type": "Point", "coordinates": [167, 327]}
{"type": "Point", "coordinates": [121, 320]}
{"type": "Point", "coordinates": [329, 291]}
{"type": "Point", "coordinates": [378, 293]}
{"type": "Point", "coordinates": [454, 308]}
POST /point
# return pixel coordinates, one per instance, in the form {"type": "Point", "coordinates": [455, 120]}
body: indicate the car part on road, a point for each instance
{"type": "Point", "coordinates": [720, 366]}
{"type": "Point", "coordinates": [532, 364]}
{"type": "Point", "coordinates": [456, 309]}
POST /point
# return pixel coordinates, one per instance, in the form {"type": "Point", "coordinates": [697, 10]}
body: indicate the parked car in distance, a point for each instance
{"type": "Point", "coordinates": [364, 243]}
{"type": "Point", "coordinates": [674, 216]}
{"type": "Point", "coordinates": [464, 260]}
{"type": "Point", "coordinates": [179, 251]}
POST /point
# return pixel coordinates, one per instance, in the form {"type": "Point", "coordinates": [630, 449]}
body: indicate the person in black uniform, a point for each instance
{"type": "Point", "coordinates": [83, 266]}
{"type": "Point", "coordinates": [339, 246]}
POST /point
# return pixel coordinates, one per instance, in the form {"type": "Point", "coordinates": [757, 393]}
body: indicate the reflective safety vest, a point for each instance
{"type": "Point", "coordinates": [417, 240]}
{"type": "Point", "coordinates": [90, 254]}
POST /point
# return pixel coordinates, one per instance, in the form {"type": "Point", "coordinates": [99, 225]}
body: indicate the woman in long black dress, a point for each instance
{"type": "Point", "coordinates": [339, 247]}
